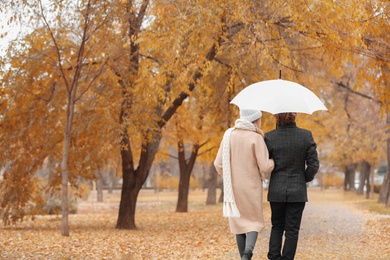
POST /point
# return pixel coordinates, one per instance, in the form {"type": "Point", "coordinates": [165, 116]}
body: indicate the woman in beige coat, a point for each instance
{"type": "Point", "coordinates": [243, 173]}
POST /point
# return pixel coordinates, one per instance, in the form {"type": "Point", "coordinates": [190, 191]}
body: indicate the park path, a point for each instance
{"type": "Point", "coordinates": [333, 228]}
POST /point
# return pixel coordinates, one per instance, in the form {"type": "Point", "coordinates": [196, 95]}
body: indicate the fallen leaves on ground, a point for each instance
{"type": "Point", "coordinates": [202, 233]}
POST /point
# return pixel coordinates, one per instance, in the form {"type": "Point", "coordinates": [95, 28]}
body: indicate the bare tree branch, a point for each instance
{"type": "Point", "coordinates": [342, 85]}
{"type": "Point", "coordinates": [56, 46]}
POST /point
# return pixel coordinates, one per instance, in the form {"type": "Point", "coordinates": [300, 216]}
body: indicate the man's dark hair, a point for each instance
{"type": "Point", "coordinates": [285, 118]}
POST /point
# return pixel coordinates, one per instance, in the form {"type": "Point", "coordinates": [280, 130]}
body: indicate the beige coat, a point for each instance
{"type": "Point", "coordinates": [250, 165]}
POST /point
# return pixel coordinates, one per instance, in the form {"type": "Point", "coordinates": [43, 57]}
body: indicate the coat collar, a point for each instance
{"type": "Point", "coordinates": [292, 125]}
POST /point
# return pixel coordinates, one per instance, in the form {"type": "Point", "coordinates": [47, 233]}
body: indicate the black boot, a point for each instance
{"type": "Point", "coordinates": [247, 255]}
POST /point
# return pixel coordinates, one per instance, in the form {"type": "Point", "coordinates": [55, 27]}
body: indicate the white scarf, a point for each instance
{"type": "Point", "coordinates": [230, 209]}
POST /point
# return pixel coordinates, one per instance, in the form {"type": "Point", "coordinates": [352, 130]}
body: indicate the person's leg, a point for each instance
{"type": "Point", "coordinates": [294, 211]}
{"type": "Point", "coordinates": [250, 242]}
{"type": "Point", "coordinates": [241, 239]}
{"type": "Point", "coordinates": [277, 220]}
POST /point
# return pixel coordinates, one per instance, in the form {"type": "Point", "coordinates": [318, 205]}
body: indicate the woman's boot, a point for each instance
{"type": "Point", "coordinates": [247, 255]}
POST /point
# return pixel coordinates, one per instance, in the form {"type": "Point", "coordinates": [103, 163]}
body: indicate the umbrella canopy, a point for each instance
{"type": "Point", "coordinates": [278, 96]}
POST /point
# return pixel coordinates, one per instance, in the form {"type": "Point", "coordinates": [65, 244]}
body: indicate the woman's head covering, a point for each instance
{"type": "Point", "coordinates": [250, 114]}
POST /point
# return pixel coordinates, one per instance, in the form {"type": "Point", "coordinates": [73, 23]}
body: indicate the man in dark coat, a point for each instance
{"type": "Point", "coordinates": [296, 163]}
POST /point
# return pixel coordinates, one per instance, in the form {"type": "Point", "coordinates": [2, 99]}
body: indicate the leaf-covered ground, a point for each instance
{"type": "Point", "coordinates": [332, 228]}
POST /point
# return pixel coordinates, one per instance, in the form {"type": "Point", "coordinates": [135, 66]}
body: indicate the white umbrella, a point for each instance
{"type": "Point", "coordinates": [278, 96]}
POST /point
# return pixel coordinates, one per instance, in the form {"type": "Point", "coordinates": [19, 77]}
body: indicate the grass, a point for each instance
{"type": "Point", "coordinates": [374, 206]}
{"type": "Point", "coordinates": [371, 205]}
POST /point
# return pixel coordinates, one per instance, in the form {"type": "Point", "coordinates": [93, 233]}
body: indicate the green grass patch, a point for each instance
{"type": "Point", "coordinates": [370, 205]}
{"type": "Point", "coordinates": [374, 206]}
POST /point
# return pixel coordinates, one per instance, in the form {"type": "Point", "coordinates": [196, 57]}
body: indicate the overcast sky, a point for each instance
{"type": "Point", "coordinates": [4, 28]}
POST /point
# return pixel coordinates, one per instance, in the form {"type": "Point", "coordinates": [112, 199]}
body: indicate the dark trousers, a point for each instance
{"type": "Point", "coordinates": [286, 219]}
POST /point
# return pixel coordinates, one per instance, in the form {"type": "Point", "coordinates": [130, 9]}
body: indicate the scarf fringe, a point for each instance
{"type": "Point", "coordinates": [230, 210]}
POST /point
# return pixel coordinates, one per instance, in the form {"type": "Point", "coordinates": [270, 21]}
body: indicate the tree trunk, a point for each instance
{"type": "Point", "coordinates": [130, 186]}
{"type": "Point", "coordinates": [99, 189]}
{"type": "Point", "coordinates": [384, 194]}
{"type": "Point", "coordinates": [64, 184]}
{"type": "Point", "coordinates": [220, 200]}
{"type": "Point", "coordinates": [99, 185]}
{"type": "Point", "coordinates": [368, 186]}
{"type": "Point", "coordinates": [364, 177]}
{"type": "Point", "coordinates": [204, 182]}
{"type": "Point", "coordinates": [133, 180]}
{"type": "Point", "coordinates": [65, 160]}
{"type": "Point", "coordinates": [65, 156]}
{"type": "Point", "coordinates": [212, 186]}
{"type": "Point", "coordinates": [371, 184]}
{"type": "Point", "coordinates": [127, 206]}
{"type": "Point", "coordinates": [349, 180]}
{"type": "Point", "coordinates": [185, 175]}
{"type": "Point", "coordinates": [184, 186]}
{"type": "Point", "coordinates": [110, 179]}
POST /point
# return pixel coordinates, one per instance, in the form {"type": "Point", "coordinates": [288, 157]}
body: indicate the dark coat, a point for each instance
{"type": "Point", "coordinates": [296, 163]}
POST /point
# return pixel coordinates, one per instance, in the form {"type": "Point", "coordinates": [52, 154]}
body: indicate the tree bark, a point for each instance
{"type": "Point", "coordinates": [133, 179]}
{"type": "Point", "coordinates": [364, 177]}
{"type": "Point", "coordinates": [185, 175]}
{"type": "Point", "coordinates": [384, 194]}
{"type": "Point", "coordinates": [220, 200]}
{"type": "Point", "coordinates": [65, 156]}
{"type": "Point", "coordinates": [65, 178]}
{"type": "Point", "coordinates": [99, 185]}
{"type": "Point", "coordinates": [368, 184]}
{"type": "Point", "coordinates": [99, 190]}
{"type": "Point", "coordinates": [212, 186]}
{"type": "Point", "coordinates": [110, 179]}
{"type": "Point", "coordinates": [129, 195]}
{"type": "Point", "coordinates": [349, 180]}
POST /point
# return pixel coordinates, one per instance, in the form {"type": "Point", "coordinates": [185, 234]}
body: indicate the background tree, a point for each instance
{"type": "Point", "coordinates": [376, 69]}
{"type": "Point", "coordinates": [54, 69]}
{"type": "Point", "coordinates": [172, 74]}
{"type": "Point", "coordinates": [192, 132]}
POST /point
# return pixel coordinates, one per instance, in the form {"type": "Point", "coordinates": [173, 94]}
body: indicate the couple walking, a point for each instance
{"type": "Point", "coordinates": [246, 157]}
